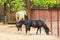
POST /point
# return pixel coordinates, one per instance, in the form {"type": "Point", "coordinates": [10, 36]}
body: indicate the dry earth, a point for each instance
{"type": "Point", "coordinates": [9, 32]}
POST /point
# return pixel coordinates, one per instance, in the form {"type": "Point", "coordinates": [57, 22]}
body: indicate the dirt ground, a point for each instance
{"type": "Point", "coordinates": [9, 32]}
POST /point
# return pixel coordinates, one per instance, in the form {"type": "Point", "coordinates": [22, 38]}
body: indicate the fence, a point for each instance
{"type": "Point", "coordinates": [50, 17]}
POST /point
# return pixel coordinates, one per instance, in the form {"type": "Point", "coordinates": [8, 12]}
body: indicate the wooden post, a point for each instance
{"type": "Point", "coordinates": [57, 18]}
{"type": "Point", "coordinates": [58, 22]}
{"type": "Point", "coordinates": [51, 19]}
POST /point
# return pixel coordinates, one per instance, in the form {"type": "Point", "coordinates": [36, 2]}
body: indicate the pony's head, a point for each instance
{"type": "Point", "coordinates": [46, 29]}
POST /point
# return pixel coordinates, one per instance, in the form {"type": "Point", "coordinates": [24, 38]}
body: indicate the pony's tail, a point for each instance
{"type": "Point", "coordinates": [46, 29]}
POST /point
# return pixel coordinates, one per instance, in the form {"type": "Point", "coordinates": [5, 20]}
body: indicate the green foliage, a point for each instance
{"type": "Point", "coordinates": [16, 5]}
{"type": "Point", "coordinates": [44, 3]}
{"type": "Point", "coordinates": [52, 3]}
{"type": "Point", "coordinates": [3, 1]}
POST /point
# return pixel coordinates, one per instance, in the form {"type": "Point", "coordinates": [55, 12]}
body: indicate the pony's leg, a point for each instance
{"type": "Point", "coordinates": [40, 30]}
{"type": "Point", "coordinates": [18, 29]}
{"type": "Point", "coordinates": [37, 30]}
{"type": "Point", "coordinates": [26, 29]}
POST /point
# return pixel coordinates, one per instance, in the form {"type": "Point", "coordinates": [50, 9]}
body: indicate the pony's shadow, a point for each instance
{"type": "Point", "coordinates": [31, 34]}
{"type": "Point", "coordinates": [40, 34]}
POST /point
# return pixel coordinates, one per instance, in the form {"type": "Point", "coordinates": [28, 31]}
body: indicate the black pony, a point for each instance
{"type": "Point", "coordinates": [33, 23]}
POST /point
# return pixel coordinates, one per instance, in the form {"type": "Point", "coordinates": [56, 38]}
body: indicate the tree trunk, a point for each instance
{"type": "Point", "coordinates": [28, 4]}
{"type": "Point", "coordinates": [4, 13]}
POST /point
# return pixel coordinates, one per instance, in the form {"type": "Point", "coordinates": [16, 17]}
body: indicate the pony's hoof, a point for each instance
{"type": "Point", "coordinates": [47, 33]}
{"type": "Point", "coordinates": [36, 33]}
{"type": "Point", "coordinates": [28, 33]}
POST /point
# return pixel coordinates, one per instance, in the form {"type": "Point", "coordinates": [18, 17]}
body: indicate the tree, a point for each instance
{"type": "Point", "coordinates": [13, 5]}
